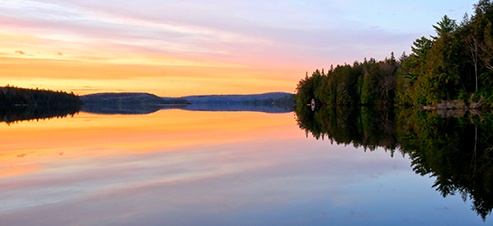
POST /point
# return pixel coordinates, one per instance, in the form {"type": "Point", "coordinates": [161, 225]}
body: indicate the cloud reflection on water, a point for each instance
{"type": "Point", "coordinates": [189, 168]}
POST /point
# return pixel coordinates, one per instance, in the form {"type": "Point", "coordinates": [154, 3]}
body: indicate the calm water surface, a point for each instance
{"type": "Point", "coordinates": [178, 167]}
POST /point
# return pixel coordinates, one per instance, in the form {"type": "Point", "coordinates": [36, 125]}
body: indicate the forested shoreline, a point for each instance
{"type": "Point", "coordinates": [18, 104]}
{"type": "Point", "coordinates": [13, 96]}
{"type": "Point", "coordinates": [451, 69]}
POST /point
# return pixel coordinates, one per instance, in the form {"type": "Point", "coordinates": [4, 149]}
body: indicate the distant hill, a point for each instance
{"type": "Point", "coordinates": [24, 104]}
{"type": "Point", "coordinates": [144, 103]}
{"type": "Point", "coordinates": [277, 102]}
{"type": "Point", "coordinates": [129, 99]}
{"type": "Point", "coordinates": [127, 103]}
{"type": "Point", "coordinates": [251, 98]}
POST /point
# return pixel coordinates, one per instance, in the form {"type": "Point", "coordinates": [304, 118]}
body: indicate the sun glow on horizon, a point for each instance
{"type": "Point", "coordinates": [168, 80]}
{"type": "Point", "coordinates": [181, 48]}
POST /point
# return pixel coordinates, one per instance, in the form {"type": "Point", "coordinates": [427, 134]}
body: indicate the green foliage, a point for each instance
{"type": "Point", "coordinates": [368, 93]}
{"type": "Point", "coordinates": [368, 83]}
{"type": "Point", "coordinates": [445, 26]}
{"type": "Point", "coordinates": [306, 88]}
{"type": "Point", "coordinates": [454, 63]}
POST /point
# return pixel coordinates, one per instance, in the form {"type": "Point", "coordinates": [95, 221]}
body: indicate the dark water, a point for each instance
{"type": "Point", "coordinates": [176, 167]}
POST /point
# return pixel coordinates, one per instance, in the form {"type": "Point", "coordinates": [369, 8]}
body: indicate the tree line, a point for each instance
{"type": "Point", "coordinates": [18, 104]}
{"type": "Point", "coordinates": [454, 64]}
{"type": "Point", "coordinates": [13, 96]}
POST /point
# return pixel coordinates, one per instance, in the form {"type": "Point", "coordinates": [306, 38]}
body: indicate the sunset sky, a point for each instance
{"type": "Point", "coordinates": [177, 48]}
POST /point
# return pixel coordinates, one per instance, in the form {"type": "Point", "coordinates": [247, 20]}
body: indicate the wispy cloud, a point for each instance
{"type": "Point", "coordinates": [20, 52]}
{"type": "Point", "coordinates": [274, 36]}
{"type": "Point", "coordinates": [225, 29]}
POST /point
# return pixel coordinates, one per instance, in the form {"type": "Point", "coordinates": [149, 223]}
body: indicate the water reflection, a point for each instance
{"type": "Point", "coordinates": [133, 109]}
{"type": "Point", "coordinates": [40, 112]}
{"type": "Point", "coordinates": [14, 114]}
{"type": "Point", "coordinates": [179, 167]}
{"type": "Point", "coordinates": [455, 151]}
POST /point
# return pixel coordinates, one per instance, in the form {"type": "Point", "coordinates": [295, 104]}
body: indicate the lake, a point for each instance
{"type": "Point", "coordinates": [177, 167]}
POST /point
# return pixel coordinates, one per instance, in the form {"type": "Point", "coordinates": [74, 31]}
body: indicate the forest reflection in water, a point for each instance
{"type": "Point", "coordinates": [16, 114]}
{"type": "Point", "coordinates": [13, 114]}
{"type": "Point", "coordinates": [456, 151]}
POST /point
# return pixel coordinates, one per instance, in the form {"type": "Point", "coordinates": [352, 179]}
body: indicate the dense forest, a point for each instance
{"type": "Point", "coordinates": [17, 104]}
{"type": "Point", "coordinates": [453, 66]}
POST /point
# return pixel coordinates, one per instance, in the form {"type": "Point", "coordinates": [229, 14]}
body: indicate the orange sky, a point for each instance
{"type": "Point", "coordinates": [178, 48]}
{"type": "Point", "coordinates": [90, 77]}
